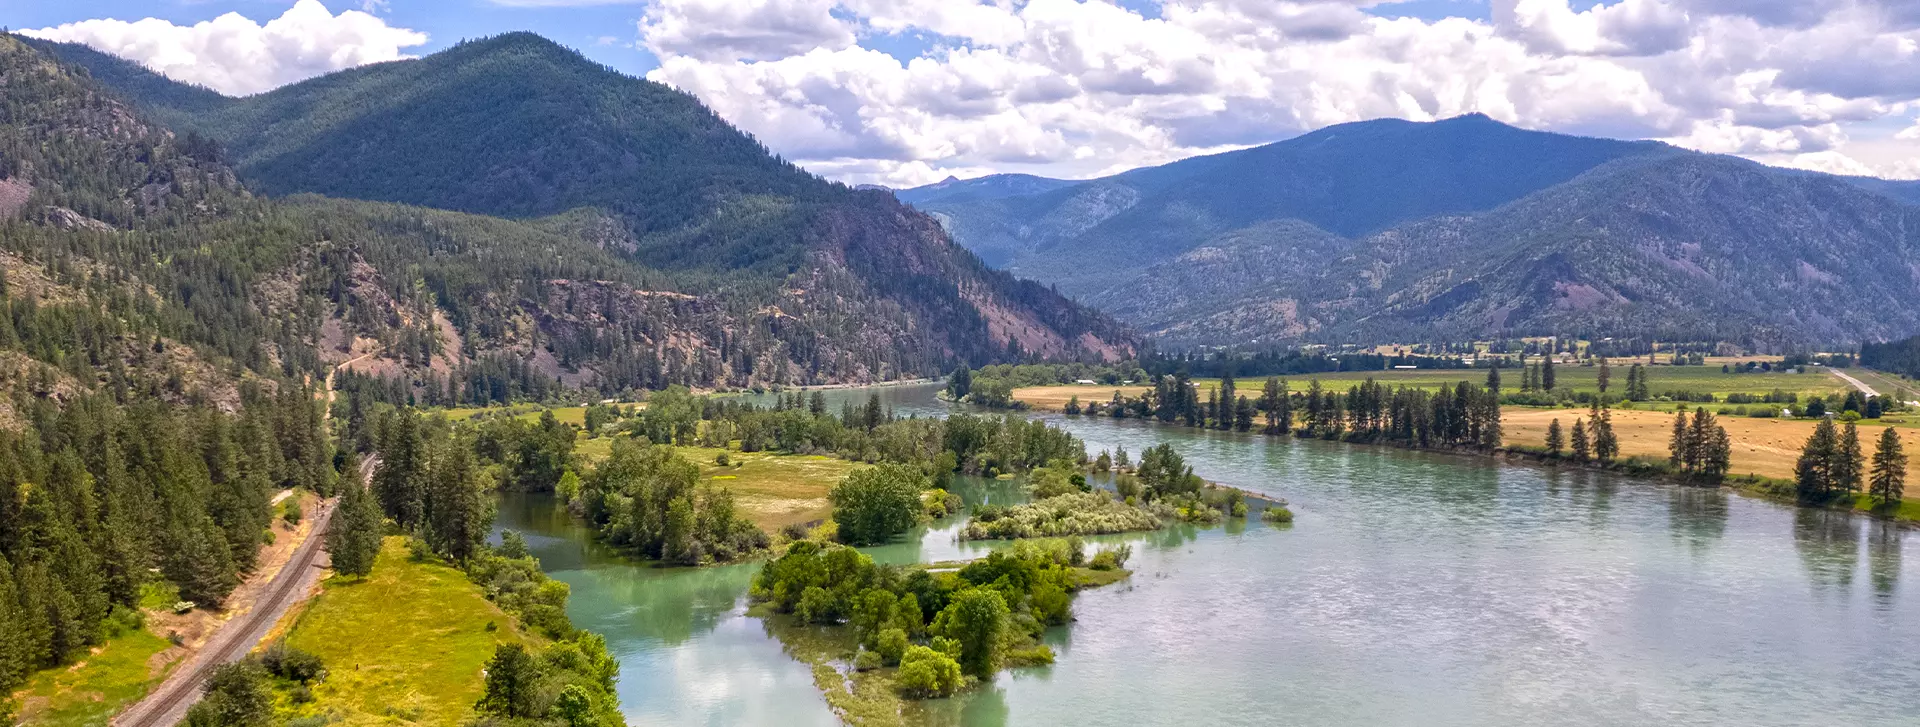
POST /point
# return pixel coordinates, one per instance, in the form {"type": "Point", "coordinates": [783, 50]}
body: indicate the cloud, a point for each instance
{"type": "Point", "coordinates": [237, 56]}
{"type": "Point", "coordinates": [742, 30]}
{"type": "Point", "coordinates": [1085, 87]}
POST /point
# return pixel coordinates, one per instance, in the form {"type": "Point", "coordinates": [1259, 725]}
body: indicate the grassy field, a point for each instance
{"type": "Point", "coordinates": [771, 489]}
{"type": "Point", "coordinates": [774, 490]}
{"type": "Point", "coordinates": [91, 690]}
{"type": "Point", "coordinates": [405, 645]}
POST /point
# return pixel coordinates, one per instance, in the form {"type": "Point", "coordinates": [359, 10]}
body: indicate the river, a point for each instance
{"type": "Point", "coordinates": [1412, 589]}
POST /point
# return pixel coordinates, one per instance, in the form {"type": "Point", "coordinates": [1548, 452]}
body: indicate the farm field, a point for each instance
{"type": "Point", "coordinates": [1660, 379]}
{"type": "Point", "coordinates": [1766, 447]}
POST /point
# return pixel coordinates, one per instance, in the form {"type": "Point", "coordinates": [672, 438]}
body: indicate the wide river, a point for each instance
{"type": "Point", "coordinates": [1413, 589]}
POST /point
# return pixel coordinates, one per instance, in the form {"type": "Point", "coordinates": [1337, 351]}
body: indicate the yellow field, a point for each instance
{"type": "Point", "coordinates": [1765, 447]}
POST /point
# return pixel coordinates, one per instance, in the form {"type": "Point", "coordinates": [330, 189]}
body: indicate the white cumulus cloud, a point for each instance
{"type": "Point", "coordinates": [237, 56]}
{"type": "Point", "coordinates": [1085, 87]}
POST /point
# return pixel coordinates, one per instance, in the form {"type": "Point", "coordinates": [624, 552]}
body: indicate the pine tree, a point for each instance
{"type": "Point", "coordinates": [1556, 440]}
{"type": "Point", "coordinates": [1605, 446]}
{"type": "Point", "coordinates": [1581, 452]}
{"type": "Point", "coordinates": [457, 514]}
{"type": "Point", "coordinates": [399, 482]}
{"type": "Point", "coordinates": [1677, 448]}
{"type": "Point", "coordinates": [1546, 375]}
{"type": "Point", "coordinates": [1889, 468]}
{"type": "Point", "coordinates": [353, 534]}
{"type": "Point", "coordinates": [1605, 376]}
{"type": "Point", "coordinates": [1493, 379]}
{"type": "Point", "coordinates": [1224, 416]}
{"type": "Point", "coordinates": [1848, 463]}
{"type": "Point", "coordinates": [1811, 473]}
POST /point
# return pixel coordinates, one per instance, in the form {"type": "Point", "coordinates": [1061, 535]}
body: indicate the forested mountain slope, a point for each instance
{"type": "Point", "coordinates": [1398, 231]}
{"type": "Point", "coordinates": [636, 239]}
{"type": "Point", "coordinates": [1351, 179]}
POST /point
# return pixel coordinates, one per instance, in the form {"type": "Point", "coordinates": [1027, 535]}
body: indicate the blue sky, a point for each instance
{"type": "Point", "coordinates": [905, 92]}
{"type": "Point", "coordinates": [582, 24]}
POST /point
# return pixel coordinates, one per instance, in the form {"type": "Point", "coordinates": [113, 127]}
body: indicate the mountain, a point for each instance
{"type": "Point", "coordinates": [507, 211]}
{"type": "Point", "coordinates": [990, 187]}
{"type": "Point", "coordinates": [1349, 180]}
{"type": "Point", "coordinates": [1402, 231]}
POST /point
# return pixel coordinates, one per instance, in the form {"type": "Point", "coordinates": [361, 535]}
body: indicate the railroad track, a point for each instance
{"type": "Point", "coordinates": [168, 703]}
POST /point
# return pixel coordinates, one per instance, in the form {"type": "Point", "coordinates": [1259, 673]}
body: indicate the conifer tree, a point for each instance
{"type": "Point", "coordinates": [1493, 379]}
{"type": "Point", "coordinates": [1605, 376]}
{"type": "Point", "coordinates": [353, 534]}
{"type": "Point", "coordinates": [1677, 443]}
{"type": "Point", "coordinates": [1556, 440]}
{"type": "Point", "coordinates": [1812, 473]}
{"type": "Point", "coordinates": [458, 515]}
{"type": "Point", "coordinates": [399, 482]}
{"type": "Point", "coordinates": [1546, 375]}
{"type": "Point", "coordinates": [1605, 445]}
{"type": "Point", "coordinates": [1848, 462]}
{"type": "Point", "coordinates": [1581, 450]}
{"type": "Point", "coordinates": [1889, 479]}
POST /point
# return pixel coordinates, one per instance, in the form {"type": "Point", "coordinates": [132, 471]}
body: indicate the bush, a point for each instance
{"type": "Point", "coordinates": [290, 511]}
{"type": "Point", "coordinates": [866, 661]}
{"type": "Point", "coordinates": [891, 645]}
{"type": "Point", "coordinates": [1113, 558]}
{"type": "Point", "coordinates": [925, 673]}
{"type": "Point", "coordinates": [794, 531]}
{"type": "Point", "coordinates": [1277, 514]}
{"type": "Point", "coordinates": [721, 459]}
{"type": "Point", "coordinates": [1079, 513]}
{"type": "Point", "coordinates": [292, 664]}
{"type": "Point", "coordinates": [875, 504]}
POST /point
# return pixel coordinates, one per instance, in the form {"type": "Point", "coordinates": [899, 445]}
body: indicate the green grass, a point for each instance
{"type": "Point", "coordinates": [771, 489]}
{"type": "Point", "coordinates": [405, 645]}
{"type": "Point", "coordinates": [90, 691]}
{"type": "Point", "coordinates": [1908, 510]}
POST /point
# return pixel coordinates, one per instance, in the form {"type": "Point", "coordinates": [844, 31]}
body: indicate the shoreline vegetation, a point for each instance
{"type": "Point", "coordinates": [880, 638]}
{"type": "Point", "coordinates": [1464, 417]}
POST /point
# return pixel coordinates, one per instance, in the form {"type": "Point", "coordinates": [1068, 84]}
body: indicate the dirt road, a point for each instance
{"type": "Point", "coordinates": [1857, 384]}
{"type": "Point", "coordinates": [168, 703]}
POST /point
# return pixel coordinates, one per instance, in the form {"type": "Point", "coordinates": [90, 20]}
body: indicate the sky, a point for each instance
{"type": "Point", "coordinates": [908, 92]}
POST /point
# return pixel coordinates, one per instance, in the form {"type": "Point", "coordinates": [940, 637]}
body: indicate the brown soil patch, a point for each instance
{"type": "Point", "coordinates": [194, 627]}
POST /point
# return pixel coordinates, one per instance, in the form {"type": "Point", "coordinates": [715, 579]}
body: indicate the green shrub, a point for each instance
{"type": "Point", "coordinates": [1112, 558]}
{"type": "Point", "coordinates": [866, 661]}
{"type": "Point", "coordinates": [891, 645]}
{"type": "Point", "coordinates": [1277, 514]}
{"type": "Point", "coordinates": [925, 673]}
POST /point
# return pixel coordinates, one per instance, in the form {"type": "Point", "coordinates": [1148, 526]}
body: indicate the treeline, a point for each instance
{"type": "Point", "coordinates": [1293, 362]}
{"type": "Point", "coordinates": [1901, 357]}
{"type": "Point", "coordinates": [1454, 415]}
{"type": "Point", "coordinates": [1832, 466]}
{"type": "Point", "coordinates": [100, 501]}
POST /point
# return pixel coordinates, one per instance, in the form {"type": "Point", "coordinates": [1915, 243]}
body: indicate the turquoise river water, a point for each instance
{"type": "Point", "coordinates": [1413, 589]}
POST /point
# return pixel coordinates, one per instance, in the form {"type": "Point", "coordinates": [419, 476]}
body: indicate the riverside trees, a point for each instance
{"type": "Point", "coordinates": [1699, 448]}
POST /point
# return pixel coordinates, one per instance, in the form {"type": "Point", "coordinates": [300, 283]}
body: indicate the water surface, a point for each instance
{"type": "Point", "coordinates": [1413, 589]}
